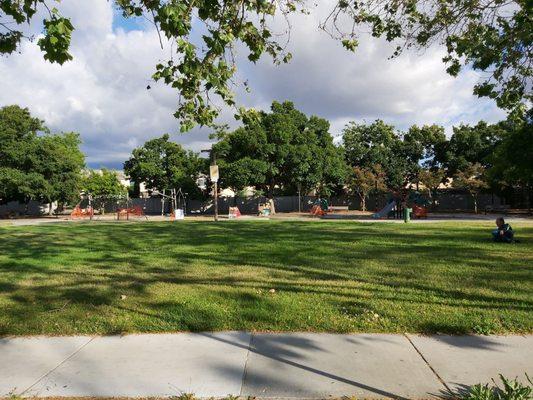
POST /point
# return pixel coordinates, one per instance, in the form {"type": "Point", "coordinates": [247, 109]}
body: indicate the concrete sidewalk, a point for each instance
{"type": "Point", "coordinates": [299, 365]}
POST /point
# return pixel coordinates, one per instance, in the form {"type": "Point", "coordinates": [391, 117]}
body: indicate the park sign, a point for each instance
{"type": "Point", "coordinates": [213, 173]}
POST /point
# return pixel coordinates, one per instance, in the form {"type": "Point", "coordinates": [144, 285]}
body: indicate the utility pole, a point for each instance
{"type": "Point", "coordinates": [215, 194]}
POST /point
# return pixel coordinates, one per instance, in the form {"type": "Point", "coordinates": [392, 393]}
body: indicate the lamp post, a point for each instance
{"type": "Point", "coordinates": [213, 174]}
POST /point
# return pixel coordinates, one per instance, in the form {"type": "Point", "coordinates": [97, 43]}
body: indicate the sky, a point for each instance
{"type": "Point", "coordinates": [102, 93]}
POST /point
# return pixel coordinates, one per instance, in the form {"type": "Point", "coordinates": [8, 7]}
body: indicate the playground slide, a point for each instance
{"type": "Point", "coordinates": [385, 210]}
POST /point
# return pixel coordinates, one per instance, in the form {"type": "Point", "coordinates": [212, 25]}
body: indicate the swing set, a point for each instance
{"type": "Point", "coordinates": [135, 211]}
{"type": "Point", "coordinates": [177, 203]}
{"type": "Point", "coordinates": [119, 204]}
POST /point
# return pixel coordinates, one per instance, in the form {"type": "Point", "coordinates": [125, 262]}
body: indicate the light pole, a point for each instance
{"type": "Point", "coordinates": [213, 174]}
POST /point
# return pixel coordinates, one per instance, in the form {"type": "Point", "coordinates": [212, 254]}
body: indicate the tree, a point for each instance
{"type": "Point", "coordinates": [35, 164]}
{"type": "Point", "coordinates": [18, 133]}
{"type": "Point", "coordinates": [280, 151]}
{"type": "Point", "coordinates": [103, 183]}
{"type": "Point", "coordinates": [60, 162]}
{"type": "Point", "coordinates": [162, 164]}
{"type": "Point", "coordinates": [490, 36]}
{"type": "Point", "coordinates": [432, 179]}
{"type": "Point", "coordinates": [471, 145]}
{"type": "Point", "coordinates": [16, 185]}
{"type": "Point", "coordinates": [363, 181]}
{"type": "Point", "coordinates": [471, 178]}
{"type": "Point", "coordinates": [512, 158]}
{"type": "Point", "coordinates": [380, 144]}
{"type": "Point", "coordinates": [425, 145]}
{"type": "Point", "coordinates": [314, 162]}
{"type": "Point", "coordinates": [103, 186]}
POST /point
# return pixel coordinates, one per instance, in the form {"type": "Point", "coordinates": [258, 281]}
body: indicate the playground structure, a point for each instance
{"type": "Point", "coordinates": [177, 203]}
{"type": "Point", "coordinates": [234, 212]}
{"type": "Point", "coordinates": [398, 206]}
{"type": "Point", "coordinates": [93, 207]}
{"type": "Point", "coordinates": [135, 211]}
{"type": "Point", "coordinates": [420, 211]}
{"type": "Point", "coordinates": [386, 211]}
{"type": "Point", "coordinates": [320, 207]}
{"type": "Point", "coordinates": [266, 209]}
{"type": "Point", "coordinates": [79, 212]}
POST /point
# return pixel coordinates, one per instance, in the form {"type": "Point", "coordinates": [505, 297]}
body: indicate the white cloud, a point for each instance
{"type": "Point", "coordinates": [324, 79]}
{"type": "Point", "coordinates": [102, 93]}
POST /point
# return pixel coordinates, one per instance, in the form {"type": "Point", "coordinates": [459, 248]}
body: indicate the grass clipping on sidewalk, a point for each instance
{"type": "Point", "coordinates": [104, 278]}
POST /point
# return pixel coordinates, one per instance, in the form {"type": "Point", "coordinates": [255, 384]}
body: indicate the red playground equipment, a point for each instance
{"type": "Point", "coordinates": [234, 212]}
{"type": "Point", "coordinates": [420, 212]}
{"type": "Point", "coordinates": [79, 212]}
{"type": "Point", "coordinates": [135, 211]}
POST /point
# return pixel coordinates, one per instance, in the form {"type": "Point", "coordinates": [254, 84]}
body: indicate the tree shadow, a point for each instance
{"type": "Point", "coordinates": [286, 350]}
{"type": "Point", "coordinates": [348, 266]}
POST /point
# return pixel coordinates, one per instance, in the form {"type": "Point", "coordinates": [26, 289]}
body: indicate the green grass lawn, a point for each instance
{"type": "Point", "coordinates": [327, 276]}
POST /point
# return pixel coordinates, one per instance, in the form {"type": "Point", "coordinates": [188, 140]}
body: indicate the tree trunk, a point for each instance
{"type": "Point", "coordinates": [270, 198]}
{"type": "Point", "coordinates": [475, 203]}
{"type": "Point", "coordinates": [363, 201]}
{"type": "Point", "coordinates": [272, 206]}
{"type": "Point", "coordinates": [433, 197]}
{"type": "Point", "coordinates": [270, 191]}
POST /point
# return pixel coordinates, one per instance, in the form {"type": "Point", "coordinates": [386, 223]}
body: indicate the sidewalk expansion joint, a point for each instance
{"type": "Point", "coordinates": [428, 364]}
{"type": "Point", "coordinates": [57, 366]}
{"type": "Point", "coordinates": [245, 370]}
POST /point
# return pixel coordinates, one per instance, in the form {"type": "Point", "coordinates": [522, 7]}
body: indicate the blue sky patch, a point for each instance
{"type": "Point", "coordinates": [128, 24]}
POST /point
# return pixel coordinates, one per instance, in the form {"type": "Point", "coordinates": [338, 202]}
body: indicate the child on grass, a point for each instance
{"type": "Point", "coordinates": [503, 232]}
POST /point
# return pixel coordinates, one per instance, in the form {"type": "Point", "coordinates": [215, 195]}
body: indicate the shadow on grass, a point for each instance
{"type": "Point", "coordinates": [350, 265]}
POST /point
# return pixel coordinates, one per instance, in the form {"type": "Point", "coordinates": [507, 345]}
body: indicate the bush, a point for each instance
{"type": "Point", "coordinates": [512, 390]}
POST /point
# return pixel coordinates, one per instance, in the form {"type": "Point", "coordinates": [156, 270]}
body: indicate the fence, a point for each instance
{"type": "Point", "coordinates": [31, 208]}
{"type": "Point", "coordinates": [446, 201]}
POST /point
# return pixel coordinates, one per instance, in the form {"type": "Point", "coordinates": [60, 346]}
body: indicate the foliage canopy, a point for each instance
{"type": "Point", "coordinates": [282, 150]}
{"type": "Point", "coordinates": [161, 164]}
{"type": "Point", "coordinates": [35, 164]}
{"type": "Point", "coordinates": [491, 36]}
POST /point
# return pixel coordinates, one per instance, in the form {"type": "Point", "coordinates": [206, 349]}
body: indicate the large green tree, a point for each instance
{"type": "Point", "coordinates": [492, 36]}
{"type": "Point", "coordinates": [471, 145]}
{"type": "Point", "coordinates": [163, 164]}
{"type": "Point", "coordinates": [369, 145]}
{"type": "Point", "coordinates": [59, 161]}
{"type": "Point", "coordinates": [282, 150]}
{"type": "Point", "coordinates": [35, 164]}
{"type": "Point", "coordinates": [425, 145]}
{"type": "Point", "coordinates": [512, 158]}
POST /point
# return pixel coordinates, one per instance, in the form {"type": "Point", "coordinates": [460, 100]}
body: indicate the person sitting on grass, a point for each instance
{"type": "Point", "coordinates": [504, 232]}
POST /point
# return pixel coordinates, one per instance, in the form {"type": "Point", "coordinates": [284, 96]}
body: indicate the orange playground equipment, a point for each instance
{"type": "Point", "coordinates": [317, 210]}
{"type": "Point", "coordinates": [135, 211]}
{"type": "Point", "coordinates": [79, 212]}
{"type": "Point", "coordinates": [320, 207]}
